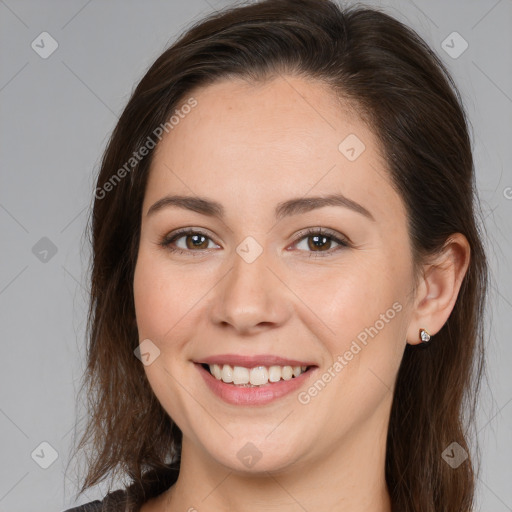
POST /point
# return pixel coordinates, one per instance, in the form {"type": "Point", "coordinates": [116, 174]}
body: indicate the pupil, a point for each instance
{"type": "Point", "coordinates": [196, 240]}
{"type": "Point", "coordinates": [319, 241]}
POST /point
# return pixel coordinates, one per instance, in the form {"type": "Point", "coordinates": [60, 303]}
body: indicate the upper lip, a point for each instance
{"type": "Point", "coordinates": [253, 361]}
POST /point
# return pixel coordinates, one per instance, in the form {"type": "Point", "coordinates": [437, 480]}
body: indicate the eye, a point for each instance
{"type": "Point", "coordinates": [319, 241]}
{"type": "Point", "coordinates": [193, 239]}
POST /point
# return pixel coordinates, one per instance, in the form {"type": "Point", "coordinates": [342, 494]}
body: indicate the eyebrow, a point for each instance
{"type": "Point", "coordinates": [296, 206]}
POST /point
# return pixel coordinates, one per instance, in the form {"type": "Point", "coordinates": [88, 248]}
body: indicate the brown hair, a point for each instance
{"type": "Point", "coordinates": [407, 97]}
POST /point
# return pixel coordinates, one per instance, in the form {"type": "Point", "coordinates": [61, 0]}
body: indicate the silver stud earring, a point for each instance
{"type": "Point", "coordinates": [424, 336]}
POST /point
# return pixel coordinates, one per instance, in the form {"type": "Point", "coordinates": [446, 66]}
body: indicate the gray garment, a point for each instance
{"type": "Point", "coordinates": [92, 506]}
{"type": "Point", "coordinates": [110, 503]}
{"type": "Point", "coordinates": [156, 482]}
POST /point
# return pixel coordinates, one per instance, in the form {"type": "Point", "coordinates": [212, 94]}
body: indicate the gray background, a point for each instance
{"type": "Point", "coordinates": [56, 116]}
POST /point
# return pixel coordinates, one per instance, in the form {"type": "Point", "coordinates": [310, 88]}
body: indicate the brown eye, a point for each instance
{"type": "Point", "coordinates": [194, 241]}
{"type": "Point", "coordinates": [317, 243]}
{"type": "Point", "coordinates": [320, 241]}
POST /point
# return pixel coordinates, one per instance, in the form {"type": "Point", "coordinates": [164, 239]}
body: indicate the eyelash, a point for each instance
{"type": "Point", "coordinates": [168, 240]}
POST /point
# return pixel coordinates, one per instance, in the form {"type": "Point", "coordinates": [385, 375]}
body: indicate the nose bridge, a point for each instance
{"type": "Point", "coordinates": [251, 295]}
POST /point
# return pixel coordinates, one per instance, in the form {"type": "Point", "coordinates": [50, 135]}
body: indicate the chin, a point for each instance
{"type": "Point", "coordinates": [256, 456]}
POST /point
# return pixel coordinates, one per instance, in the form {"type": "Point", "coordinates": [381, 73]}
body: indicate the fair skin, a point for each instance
{"type": "Point", "coordinates": [250, 147]}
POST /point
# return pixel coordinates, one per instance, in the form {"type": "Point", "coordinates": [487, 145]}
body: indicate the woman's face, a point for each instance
{"type": "Point", "coordinates": [249, 288]}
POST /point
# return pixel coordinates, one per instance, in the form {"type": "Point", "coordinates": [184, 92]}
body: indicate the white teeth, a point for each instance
{"type": "Point", "coordinates": [258, 376]}
{"type": "Point", "coordinates": [226, 374]}
{"type": "Point", "coordinates": [287, 372]}
{"type": "Point", "coordinates": [216, 371]}
{"type": "Point", "coordinates": [240, 375]}
{"type": "Point", "coordinates": [274, 374]}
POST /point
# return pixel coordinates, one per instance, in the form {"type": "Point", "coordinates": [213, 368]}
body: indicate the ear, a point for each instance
{"type": "Point", "coordinates": [438, 288]}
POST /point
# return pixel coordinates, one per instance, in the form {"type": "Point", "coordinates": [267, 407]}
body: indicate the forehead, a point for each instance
{"type": "Point", "coordinates": [247, 144]}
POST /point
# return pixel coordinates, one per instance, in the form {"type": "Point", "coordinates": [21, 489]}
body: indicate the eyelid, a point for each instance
{"type": "Point", "coordinates": [321, 231]}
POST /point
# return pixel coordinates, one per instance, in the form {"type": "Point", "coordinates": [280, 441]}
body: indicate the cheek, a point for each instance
{"type": "Point", "coordinates": [350, 297]}
{"type": "Point", "coordinates": [364, 308]}
{"type": "Point", "coordinates": [365, 313]}
{"type": "Point", "coordinates": [162, 300]}
{"type": "Point", "coordinates": [161, 297]}
{"type": "Point", "coordinates": [169, 306]}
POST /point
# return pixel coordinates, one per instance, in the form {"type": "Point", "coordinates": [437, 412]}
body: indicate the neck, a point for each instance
{"type": "Point", "coordinates": [350, 477]}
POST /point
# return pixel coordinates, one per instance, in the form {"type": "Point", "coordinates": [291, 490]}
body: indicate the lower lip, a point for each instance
{"type": "Point", "coordinates": [260, 395]}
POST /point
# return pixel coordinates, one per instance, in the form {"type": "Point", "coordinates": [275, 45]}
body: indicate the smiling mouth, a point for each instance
{"type": "Point", "coordinates": [256, 376]}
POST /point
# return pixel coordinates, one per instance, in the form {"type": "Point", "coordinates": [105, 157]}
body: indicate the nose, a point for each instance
{"type": "Point", "coordinates": [251, 297]}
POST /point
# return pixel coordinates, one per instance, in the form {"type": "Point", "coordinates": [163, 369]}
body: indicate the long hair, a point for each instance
{"type": "Point", "coordinates": [402, 90]}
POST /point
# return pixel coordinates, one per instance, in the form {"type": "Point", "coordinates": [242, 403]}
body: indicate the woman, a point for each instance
{"type": "Point", "coordinates": [288, 280]}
